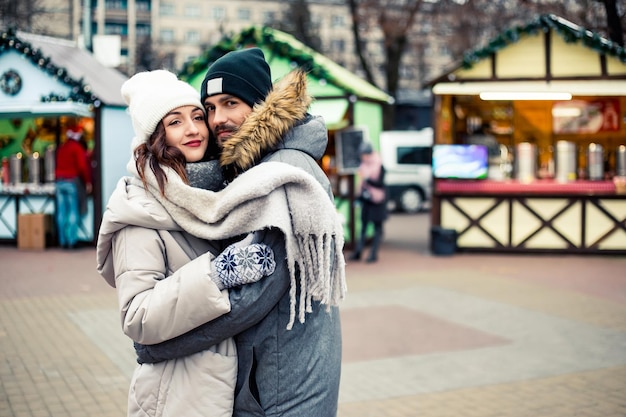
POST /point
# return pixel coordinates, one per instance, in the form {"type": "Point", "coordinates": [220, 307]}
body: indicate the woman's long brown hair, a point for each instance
{"type": "Point", "coordinates": [157, 154]}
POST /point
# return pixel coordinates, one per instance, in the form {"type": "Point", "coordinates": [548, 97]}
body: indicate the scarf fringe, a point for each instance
{"type": "Point", "coordinates": [322, 275]}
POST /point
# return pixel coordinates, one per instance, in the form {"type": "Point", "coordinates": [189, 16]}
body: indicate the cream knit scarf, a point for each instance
{"type": "Point", "coordinates": [269, 195]}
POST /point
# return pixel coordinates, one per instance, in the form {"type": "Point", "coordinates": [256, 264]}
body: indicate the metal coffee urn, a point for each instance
{"type": "Point", "coordinates": [565, 161]}
{"type": "Point", "coordinates": [620, 161]}
{"type": "Point", "coordinates": [49, 164]}
{"type": "Point", "coordinates": [526, 162]}
{"type": "Point", "coordinates": [16, 169]}
{"type": "Point", "coordinates": [595, 162]}
{"type": "Point", "coordinates": [34, 168]}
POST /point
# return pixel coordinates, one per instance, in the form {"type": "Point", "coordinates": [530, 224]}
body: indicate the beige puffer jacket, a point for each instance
{"type": "Point", "coordinates": [164, 290]}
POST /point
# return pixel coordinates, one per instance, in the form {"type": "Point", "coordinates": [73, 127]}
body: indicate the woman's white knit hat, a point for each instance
{"type": "Point", "coordinates": [151, 95]}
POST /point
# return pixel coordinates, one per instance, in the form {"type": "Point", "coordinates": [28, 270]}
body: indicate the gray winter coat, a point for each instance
{"type": "Point", "coordinates": [281, 372]}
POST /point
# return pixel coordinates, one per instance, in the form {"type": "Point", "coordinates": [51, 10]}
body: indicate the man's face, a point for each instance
{"type": "Point", "coordinates": [225, 113]}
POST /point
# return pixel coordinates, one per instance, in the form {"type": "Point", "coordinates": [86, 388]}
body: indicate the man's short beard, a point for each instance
{"type": "Point", "coordinates": [228, 128]}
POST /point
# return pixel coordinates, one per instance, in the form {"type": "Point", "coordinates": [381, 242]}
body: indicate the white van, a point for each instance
{"type": "Point", "coordinates": [407, 156]}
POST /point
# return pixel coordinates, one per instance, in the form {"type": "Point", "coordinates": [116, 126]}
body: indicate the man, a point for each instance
{"type": "Point", "coordinates": [73, 182]}
{"type": "Point", "coordinates": [288, 365]}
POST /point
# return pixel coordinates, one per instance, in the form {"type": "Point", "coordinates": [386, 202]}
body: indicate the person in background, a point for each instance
{"type": "Point", "coordinates": [373, 198]}
{"type": "Point", "coordinates": [72, 184]}
{"type": "Point", "coordinates": [168, 281]}
{"type": "Point", "coordinates": [287, 326]}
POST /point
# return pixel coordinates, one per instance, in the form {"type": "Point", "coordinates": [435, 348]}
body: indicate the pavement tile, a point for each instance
{"type": "Point", "coordinates": [467, 335]}
{"type": "Point", "coordinates": [367, 332]}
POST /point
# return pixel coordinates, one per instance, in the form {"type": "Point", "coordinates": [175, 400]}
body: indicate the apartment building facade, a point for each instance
{"type": "Point", "coordinates": [174, 31]}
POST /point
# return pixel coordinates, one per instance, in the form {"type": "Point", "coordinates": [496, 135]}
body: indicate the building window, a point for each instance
{"type": "Point", "coordinates": [192, 10]}
{"type": "Point", "coordinates": [269, 17]}
{"type": "Point", "coordinates": [143, 30]}
{"type": "Point", "coordinates": [115, 29]}
{"type": "Point", "coordinates": [167, 35]}
{"type": "Point", "coordinates": [168, 61]}
{"type": "Point", "coordinates": [406, 72]}
{"type": "Point", "coordinates": [381, 47]}
{"type": "Point", "coordinates": [114, 5]}
{"type": "Point", "coordinates": [316, 20]}
{"type": "Point", "coordinates": [124, 56]}
{"type": "Point", "coordinates": [167, 9]}
{"type": "Point", "coordinates": [218, 13]}
{"type": "Point", "coordinates": [243, 15]}
{"type": "Point", "coordinates": [143, 6]}
{"type": "Point", "coordinates": [192, 36]}
{"type": "Point", "coordinates": [337, 45]}
{"type": "Point", "coordinates": [337, 21]}
{"type": "Point", "coordinates": [425, 28]}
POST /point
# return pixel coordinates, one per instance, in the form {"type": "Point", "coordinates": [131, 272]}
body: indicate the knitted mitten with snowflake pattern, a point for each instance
{"type": "Point", "coordinates": [238, 265]}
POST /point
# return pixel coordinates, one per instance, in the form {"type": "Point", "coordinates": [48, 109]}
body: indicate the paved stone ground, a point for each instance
{"type": "Point", "coordinates": [468, 335]}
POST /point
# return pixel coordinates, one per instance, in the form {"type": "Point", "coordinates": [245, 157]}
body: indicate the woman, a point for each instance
{"type": "Point", "coordinates": [373, 198]}
{"type": "Point", "coordinates": [168, 281]}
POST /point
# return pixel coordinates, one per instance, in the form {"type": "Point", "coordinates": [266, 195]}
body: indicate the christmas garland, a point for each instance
{"type": "Point", "coordinates": [80, 92]}
{"type": "Point", "coordinates": [301, 56]}
{"type": "Point", "coordinates": [569, 31]}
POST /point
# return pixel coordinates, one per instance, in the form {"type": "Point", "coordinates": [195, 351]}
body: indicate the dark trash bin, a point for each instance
{"type": "Point", "coordinates": [442, 241]}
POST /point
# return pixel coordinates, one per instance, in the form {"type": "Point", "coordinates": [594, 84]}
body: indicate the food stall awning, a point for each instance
{"type": "Point", "coordinates": [49, 109]}
{"type": "Point", "coordinates": [576, 88]}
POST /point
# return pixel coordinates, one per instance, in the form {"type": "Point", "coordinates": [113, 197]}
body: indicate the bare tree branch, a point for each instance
{"type": "Point", "coordinates": [358, 42]}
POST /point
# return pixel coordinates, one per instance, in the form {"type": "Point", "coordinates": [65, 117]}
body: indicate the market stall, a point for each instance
{"type": "Point", "coordinates": [48, 85]}
{"type": "Point", "coordinates": [351, 107]}
{"type": "Point", "coordinates": [530, 138]}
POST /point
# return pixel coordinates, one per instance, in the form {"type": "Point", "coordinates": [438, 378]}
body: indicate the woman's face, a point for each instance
{"type": "Point", "coordinates": [186, 129]}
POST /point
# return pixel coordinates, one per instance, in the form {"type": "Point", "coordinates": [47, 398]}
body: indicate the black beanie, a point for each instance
{"type": "Point", "coordinates": [244, 74]}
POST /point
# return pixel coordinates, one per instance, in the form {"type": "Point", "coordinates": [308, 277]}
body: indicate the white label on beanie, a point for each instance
{"type": "Point", "coordinates": [214, 86]}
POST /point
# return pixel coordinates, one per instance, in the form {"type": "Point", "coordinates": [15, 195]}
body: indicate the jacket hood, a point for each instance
{"type": "Point", "coordinates": [129, 205]}
{"type": "Point", "coordinates": [310, 136]}
{"type": "Point", "coordinates": [266, 128]}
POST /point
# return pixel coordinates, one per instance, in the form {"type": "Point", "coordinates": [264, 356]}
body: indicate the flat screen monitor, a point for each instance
{"type": "Point", "coordinates": [460, 161]}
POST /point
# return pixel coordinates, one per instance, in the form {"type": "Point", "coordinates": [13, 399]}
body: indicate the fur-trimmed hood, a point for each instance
{"type": "Point", "coordinates": [271, 125]}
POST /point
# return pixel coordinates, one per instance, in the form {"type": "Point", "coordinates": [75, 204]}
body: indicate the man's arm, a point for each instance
{"type": "Point", "coordinates": [250, 303]}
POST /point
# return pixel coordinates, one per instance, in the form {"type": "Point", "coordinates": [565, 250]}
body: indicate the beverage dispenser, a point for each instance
{"type": "Point", "coordinates": [595, 162]}
{"type": "Point", "coordinates": [565, 161]}
{"type": "Point", "coordinates": [620, 161]}
{"type": "Point", "coordinates": [49, 164]}
{"type": "Point", "coordinates": [34, 168]}
{"type": "Point", "coordinates": [526, 161]}
{"type": "Point", "coordinates": [15, 164]}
